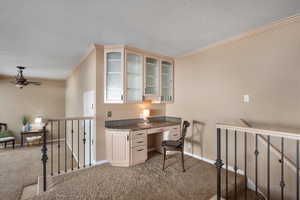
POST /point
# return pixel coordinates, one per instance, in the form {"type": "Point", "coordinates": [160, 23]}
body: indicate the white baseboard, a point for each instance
{"type": "Point", "coordinates": [100, 162]}
{"type": "Point", "coordinates": [250, 183]}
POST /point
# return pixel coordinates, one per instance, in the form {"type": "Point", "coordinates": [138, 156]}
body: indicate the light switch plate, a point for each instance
{"type": "Point", "coordinates": [246, 98]}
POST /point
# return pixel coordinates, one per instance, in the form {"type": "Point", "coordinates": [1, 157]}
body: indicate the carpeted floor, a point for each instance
{"type": "Point", "coordinates": [145, 181]}
{"type": "Point", "coordinates": [21, 167]}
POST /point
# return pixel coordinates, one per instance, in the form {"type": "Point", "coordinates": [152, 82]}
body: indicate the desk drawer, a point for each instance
{"type": "Point", "coordinates": [138, 155]}
{"type": "Point", "coordinates": [138, 142]}
{"type": "Point", "coordinates": [138, 134]}
{"type": "Point", "coordinates": [157, 130]}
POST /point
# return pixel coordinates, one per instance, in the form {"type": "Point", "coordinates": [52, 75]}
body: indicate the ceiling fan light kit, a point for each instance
{"type": "Point", "coordinates": [20, 81]}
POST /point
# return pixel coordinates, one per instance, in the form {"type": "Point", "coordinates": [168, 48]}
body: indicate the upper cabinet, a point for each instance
{"type": "Point", "coordinates": [151, 78]}
{"type": "Point", "coordinates": [132, 76]}
{"type": "Point", "coordinates": [167, 81]}
{"type": "Point", "coordinates": [114, 70]}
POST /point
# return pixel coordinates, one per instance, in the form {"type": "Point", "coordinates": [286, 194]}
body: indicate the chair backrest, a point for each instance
{"type": "Point", "coordinates": [3, 126]}
{"type": "Point", "coordinates": [185, 125]}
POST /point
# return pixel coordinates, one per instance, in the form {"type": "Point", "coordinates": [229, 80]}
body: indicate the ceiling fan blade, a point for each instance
{"type": "Point", "coordinates": [33, 83]}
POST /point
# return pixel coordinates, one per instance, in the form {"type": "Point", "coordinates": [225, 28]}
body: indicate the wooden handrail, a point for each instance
{"type": "Point", "coordinates": [272, 131]}
{"type": "Point", "coordinates": [47, 120]}
{"type": "Point", "coordinates": [69, 118]}
{"type": "Point", "coordinates": [273, 148]}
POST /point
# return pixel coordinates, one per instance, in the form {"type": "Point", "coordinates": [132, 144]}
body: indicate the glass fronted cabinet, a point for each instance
{"type": "Point", "coordinates": [151, 82]}
{"type": "Point", "coordinates": [114, 76]}
{"type": "Point", "coordinates": [134, 77]}
{"type": "Point", "coordinates": [167, 81]}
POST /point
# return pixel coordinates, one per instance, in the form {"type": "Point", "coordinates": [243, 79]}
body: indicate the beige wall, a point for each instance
{"type": "Point", "coordinates": [81, 80]}
{"type": "Point", "coordinates": [209, 87]}
{"type": "Point", "coordinates": [47, 100]}
{"type": "Point", "coordinates": [89, 75]}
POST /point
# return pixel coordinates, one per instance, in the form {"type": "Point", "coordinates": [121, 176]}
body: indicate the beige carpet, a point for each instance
{"type": "Point", "coordinates": [144, 181]}
{"type": "Point", "coordinates": [21, 167]}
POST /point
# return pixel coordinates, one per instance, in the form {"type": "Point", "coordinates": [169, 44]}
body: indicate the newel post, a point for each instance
{"type": "Point", "coordinates": [219, 164]}
{"type": "Point", "coordinates": [44, 158]}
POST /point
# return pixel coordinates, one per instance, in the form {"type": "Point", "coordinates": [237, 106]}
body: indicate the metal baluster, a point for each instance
{"type": "Point", "coordinates": [78, 146]}
{"type": "Point", "coordinates": [219, 164]}
{"type": "Point", "coordinates": [297, 154]}
{"type": "Point", "coordinates": [282, 184]}
{"type": "Point", "coordinates": [90, 130]}
{"type": "Point", "coordinates": [245, 151]}
{"type": "Point", "coordinates": [65, 145]}
{"type": "Point", "coordinates": [51, 148]}
{"type": "Point", "coordinates": [84, 143]}
{"type": "Point", "coordinates": [44, 158]}
{"type": "Point", "coordinates": [72, 133]}
{"type": "Point", "coordinates": [268, 164]}
{"type": "Point", "coordinates": [58, 149]}
{"type": "Point", "coordinates": [226, 163]}
{"type": "Point", "coordinates": [256, 163]}
{"type": "Point", "coordinates": [235, 165]}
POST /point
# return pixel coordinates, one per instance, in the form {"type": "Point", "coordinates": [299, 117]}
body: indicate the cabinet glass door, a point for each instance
{"type": "Point", "coordinates": [134, 76]}
{"type": "Point", "coordinates": [114, 77]}
{"type": "Point", "coordinates": [151, 77]}
{"type": "Point", "coordinates": [167, 81]}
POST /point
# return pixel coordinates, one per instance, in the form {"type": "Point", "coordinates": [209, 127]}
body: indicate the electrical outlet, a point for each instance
{"type": "Point", "coordinates": [246, 98]}
{"type": "Point", "coordinates": [109, 113]}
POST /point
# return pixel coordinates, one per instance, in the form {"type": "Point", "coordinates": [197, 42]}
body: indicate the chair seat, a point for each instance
{"type": "Point", "coordinates": [6, 139]}
{"type": "Point", "coordinates": [172, 143]}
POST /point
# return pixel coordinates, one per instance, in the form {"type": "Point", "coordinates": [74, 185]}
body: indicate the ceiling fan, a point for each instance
{"type": "Point", "coordinates": [20, 81]}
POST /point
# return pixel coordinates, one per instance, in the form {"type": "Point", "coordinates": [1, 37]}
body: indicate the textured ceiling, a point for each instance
{"type": "Point", "coordinates": [51, 36]}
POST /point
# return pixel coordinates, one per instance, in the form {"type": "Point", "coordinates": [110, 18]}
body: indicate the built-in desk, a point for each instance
{"type": "Point", "coordinates": [129, 144]}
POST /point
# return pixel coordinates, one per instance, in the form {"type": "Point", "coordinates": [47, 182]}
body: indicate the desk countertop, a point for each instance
{"type": "Point", "coordinates": [135, 125]}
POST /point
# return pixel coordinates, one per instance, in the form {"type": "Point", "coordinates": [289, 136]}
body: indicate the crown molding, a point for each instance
{"type": "Point", "coordinates": [262, 29]}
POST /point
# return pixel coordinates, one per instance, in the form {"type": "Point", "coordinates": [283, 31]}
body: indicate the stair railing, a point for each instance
{"type": "Point", "coordinates": [226, 128]}
{"type": "Point", "coordinates": [289, 162]}
{"type": "Point", "coordinates": [68, 137]}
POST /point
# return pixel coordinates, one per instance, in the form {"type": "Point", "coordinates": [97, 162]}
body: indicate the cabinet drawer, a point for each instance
{"type": "Point", "coordinates": [138, 142]}
{"type": "Point", "coordinates": [138, 134]}
{"type": "Point", "coordinates": [139, 155]}
{"type": "Point", "coordinates": [157, 130]}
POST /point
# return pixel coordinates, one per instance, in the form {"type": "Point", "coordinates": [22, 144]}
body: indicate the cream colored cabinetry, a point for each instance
{"type": "Point", "coordinates": [167, 81]}
{"type": "Point", "coordinates": [138, 147]}
{"type": "Point", "coordinates": [151, 78]}
{"type": "Point", "coordinates": [114, 75]}
{"type": "Point", "coordinates": [133, 75]}
{"type": "Point", "coordinates": [128, 148]}
{"type": "Point", "coordinates": [118, 147]}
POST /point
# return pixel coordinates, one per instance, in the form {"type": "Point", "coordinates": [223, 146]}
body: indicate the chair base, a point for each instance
{"type": "Point", "coordinates": [165, 155]}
